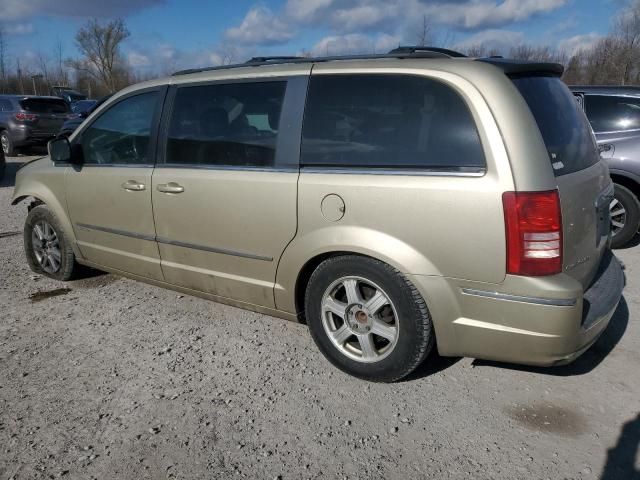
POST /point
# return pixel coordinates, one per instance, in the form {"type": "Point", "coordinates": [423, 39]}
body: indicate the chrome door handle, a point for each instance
{"type": "Point", "coordinates": [171, 187]}
{"type": "Point", "coordinates": [133, 186]}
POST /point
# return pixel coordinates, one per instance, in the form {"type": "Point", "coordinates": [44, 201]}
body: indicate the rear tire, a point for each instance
{"type": "Point", "coordinates": [625, 215]}
{"type": "Point", "coordinates": [3, 164]}
{"type": "Point", "coordinates": [7, 144]}
{"type": "Point", "coordinates": [367, 318]}
{"type": "Point", "coordinates": [47, 248]}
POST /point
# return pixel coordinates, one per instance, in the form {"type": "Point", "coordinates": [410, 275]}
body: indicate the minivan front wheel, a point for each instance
{"type": "Point", "coordinates": [367, 318]}
{"type": "Point", "coordinates": [625, 216]}
{"type": "Point", "coordinates": [47, 249]}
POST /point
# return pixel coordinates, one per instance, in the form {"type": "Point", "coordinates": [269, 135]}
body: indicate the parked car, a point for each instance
{"type": "Point", "coordinates": [83, 109]}
{"type": "Point", "coordinates": [614, 114]}
{"type": "Point", "coordinates": [29, 120]}
{"type": "Point", "coordinates": [67, 94]}
{"type": "Point", "coordinates": [416, 205]}
{"type": "Point", "coordinates": [3, 164]}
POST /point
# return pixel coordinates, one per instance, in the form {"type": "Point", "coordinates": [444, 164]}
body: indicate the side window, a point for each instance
{"type": "Point", "coordinates": [225, 124]}
{"type": "Point", "coordinates": [613, 114]}
{"type": "Point", "coordinates": [388, 121]}
{"type": "Point", "coordinates": [121, 134]}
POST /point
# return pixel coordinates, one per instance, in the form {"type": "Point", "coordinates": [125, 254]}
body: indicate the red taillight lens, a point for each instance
{"type": "Point", "coordinates": [533, 224]}
{"type": "Point", "coordinates": [26, 117]}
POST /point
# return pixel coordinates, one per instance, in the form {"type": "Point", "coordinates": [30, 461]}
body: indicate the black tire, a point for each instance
{"type": "Point", "coordinates": [415, 336]}
{"type": "Point", "coordinates": [67, 264]}
{"type": "Point", "coordinates": [7, 144]}
{"type": "Point", "coordinates": [632, 221]}
{"type": "Point", "coordinates": [3, 164]}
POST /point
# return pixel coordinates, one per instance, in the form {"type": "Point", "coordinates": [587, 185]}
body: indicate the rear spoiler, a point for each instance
{"type": "Point", "coordinates": [524, 68]}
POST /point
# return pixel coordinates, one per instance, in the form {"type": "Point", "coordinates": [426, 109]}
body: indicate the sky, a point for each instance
{"type": "Point", "coordinates": [172, 34]}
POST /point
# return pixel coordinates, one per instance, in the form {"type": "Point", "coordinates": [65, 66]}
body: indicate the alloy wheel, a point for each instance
{"type": "Point", "coordinates": [46, 246]}
{"type": "Point", "coordinates": [360, 319]}
{"type": "Point", "coordinates": [618, 216]}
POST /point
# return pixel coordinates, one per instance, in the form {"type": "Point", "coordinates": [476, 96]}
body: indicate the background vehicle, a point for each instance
{"type": "Point", "coordinates": [29, 120]}
{"type": "Point", "coordinates": [614, 114]}
{"type": "Point", "coordinates": [82, 110]}
{"type": "Point", "coordinates": [3, 164]}
{"type": "Point", "coordinates": [67, 94]}
{"type": "Point", "coordinates": [386, 200]}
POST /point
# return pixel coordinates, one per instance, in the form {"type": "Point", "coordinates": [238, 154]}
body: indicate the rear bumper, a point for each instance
{"type": "Point", "coordinates": [22, 135]}
{"type": "Point", "coordinates": [553, 326]}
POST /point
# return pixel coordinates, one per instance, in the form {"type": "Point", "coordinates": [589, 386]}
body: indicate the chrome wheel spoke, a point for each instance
{"type": "Point", "coordinates": [367, 346]}
{"type": "Point", "coordinates": [55, 264]}
{"type": "Point", "coordinates": [376, 302]}
{"type": "Point", "coordinates": [37, 229]}
{"type": "Point", "coordinates": [351, 289]}
{"type": "Point", "coordinates": [383, 330]}
{"type": "Point", "coordinates": [615, 223]}
{"type": "Point", "coordinates": [341, 335]}
{"type": "Point", "coordinates": [330, 304]}
{"type": "Point", "coordinates": [619, 211]}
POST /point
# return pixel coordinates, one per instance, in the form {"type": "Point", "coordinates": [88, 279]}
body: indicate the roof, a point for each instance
{"type": "Point", "coordinates": [607, 89]}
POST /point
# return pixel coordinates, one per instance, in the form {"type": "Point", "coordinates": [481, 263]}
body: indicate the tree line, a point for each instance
{"type": "Point", "coordinates": [100, 67]}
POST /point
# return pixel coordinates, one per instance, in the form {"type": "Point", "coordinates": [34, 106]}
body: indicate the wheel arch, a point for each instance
{"type": "Point", "coordinates": [305, 253]}
{"type": "Point", "coordinates": [628, 182]}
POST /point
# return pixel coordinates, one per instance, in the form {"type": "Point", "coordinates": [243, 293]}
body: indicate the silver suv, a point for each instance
{"type": "Point", "coordinates": [393, 203]}
{"type": "Point", "coordinates": [614, 114]}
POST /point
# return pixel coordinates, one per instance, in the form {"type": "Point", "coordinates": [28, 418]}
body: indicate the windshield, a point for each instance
{"type": "Point", "coordinates": [562, 123]}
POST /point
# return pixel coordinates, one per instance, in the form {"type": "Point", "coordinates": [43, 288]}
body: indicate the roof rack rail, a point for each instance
{"type": "Point", "coordinates": [280, 58]}
{"type": "Point", "coordinates": [413, 49]}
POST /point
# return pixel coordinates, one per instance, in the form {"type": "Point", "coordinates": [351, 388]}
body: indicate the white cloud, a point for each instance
{"type": "Point", "coordinates": [576, 43]}
{"type": "Point", "coordinates": [306, 10]}
{"type": "Point", "coordinates": [260, 26]}
{"type": "Point", "coordinates": [138, 60]}
{"type": "Point", "coordinates": [354, 43]}
{"type": "Point", "coordinates": [17, 9]}
{"type": "Point", "coordinates": [492, 39]}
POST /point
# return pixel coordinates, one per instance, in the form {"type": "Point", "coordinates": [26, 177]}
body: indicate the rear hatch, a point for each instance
{"type": "Point", "coordinates": [583, 180]}
{"type": "Point", "coordinates": [50, 114]}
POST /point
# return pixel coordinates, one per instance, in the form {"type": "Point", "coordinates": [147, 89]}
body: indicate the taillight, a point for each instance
{"type": "Point", "coordinates": [26, 117]}
{"type": "Point", "coordinates": [533, 225]}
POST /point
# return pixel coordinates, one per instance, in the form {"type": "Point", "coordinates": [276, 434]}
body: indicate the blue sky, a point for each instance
{"type": "Point", "coordinates": [170, 34]}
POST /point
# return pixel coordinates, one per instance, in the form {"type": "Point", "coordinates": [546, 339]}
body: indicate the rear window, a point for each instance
{"type": "Point", "coordinates": [562, 123]}
{"type": "Point", "coordinates": [388, 122]}
{"type": "Point", "coordinates": [44, 105]}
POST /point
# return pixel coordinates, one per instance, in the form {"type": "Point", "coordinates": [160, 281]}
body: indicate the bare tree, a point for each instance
{"type": "Point", "coordinates": [424, 35]}
{"type": "Point", "coordinates": [100, 47]}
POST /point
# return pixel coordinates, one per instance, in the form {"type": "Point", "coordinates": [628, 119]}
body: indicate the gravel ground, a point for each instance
{"type": "Point", "coordinates": [109, 378]}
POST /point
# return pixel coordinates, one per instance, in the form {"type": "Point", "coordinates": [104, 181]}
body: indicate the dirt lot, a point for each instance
{"type": "Point", "coordinates": [108, 378]}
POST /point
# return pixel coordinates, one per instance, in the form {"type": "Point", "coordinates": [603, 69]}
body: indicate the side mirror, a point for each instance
{"type": "Point", "coordinates": [59, 150]}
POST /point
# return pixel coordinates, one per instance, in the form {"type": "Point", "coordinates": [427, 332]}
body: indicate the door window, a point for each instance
{"type": "Point", "coordinates": [121, 134]}
{"type": "Point", "coordinates": [388, 121]}
{"type": "Point", "coordinates": [225, 125]}
{"type": "Point", "coordinates": [608, 113]}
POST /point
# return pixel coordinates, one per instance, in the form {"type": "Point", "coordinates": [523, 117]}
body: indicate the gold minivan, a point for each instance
{"type": "Point", "coordinates": [392, 202]}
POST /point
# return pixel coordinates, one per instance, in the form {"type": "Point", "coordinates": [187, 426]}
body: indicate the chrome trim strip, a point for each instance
{"type": "Point", "coordinates": [116, 165]}
{"type": "Point", "coordinates": [226, 167]}
{"type": "Point", "coordinates": [115, 231]}
{"type": "Point", "coordinates": [399, 171]}
{"type": "Point", "coordinates": [555, 302]}
{"type": "Point", "coordinates": [176, 243]}
{"type": "Point", "coordinates": [223, 251]}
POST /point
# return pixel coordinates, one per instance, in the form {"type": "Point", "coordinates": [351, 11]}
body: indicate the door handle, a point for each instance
{"type": "Point", "coordinates": [171, 187]}
{"type": "Point", "coordinates": [133, 186]}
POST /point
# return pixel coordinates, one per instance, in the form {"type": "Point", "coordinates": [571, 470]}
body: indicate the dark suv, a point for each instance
{"type": "Point", "coordinates": [614, 113]}
{"type": "Point", "coordinates": [29, 120]}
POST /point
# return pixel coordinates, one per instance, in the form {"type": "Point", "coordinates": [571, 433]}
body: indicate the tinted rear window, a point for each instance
{"type": "Point", "coordinates": [44, 105]}
{"type": "Point", "coordinates": [562, 123]}
{"type": "Point", "coordinates": [388, 122]}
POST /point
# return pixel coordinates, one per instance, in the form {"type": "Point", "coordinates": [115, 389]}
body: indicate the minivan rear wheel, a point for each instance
{"type": "Point", "coordinates": [625, 216]}
{"type": "Point", "coordinates": [367, 318]}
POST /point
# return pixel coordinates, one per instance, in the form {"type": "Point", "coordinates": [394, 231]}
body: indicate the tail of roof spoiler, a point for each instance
{"type": "Point", "coordinates": [524, 68]}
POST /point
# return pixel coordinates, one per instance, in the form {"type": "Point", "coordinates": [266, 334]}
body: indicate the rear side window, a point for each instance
{"type": "Point", "coordinates": [562, 123]}
{"type": "Point", "coordinates": [232, 125]}
{"type": "Point", "coordinates": [44, 105]}
{"type": "Point", "coordinates": [388, 122]}
{"type": "Point", "coordinates": [613, 113]}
